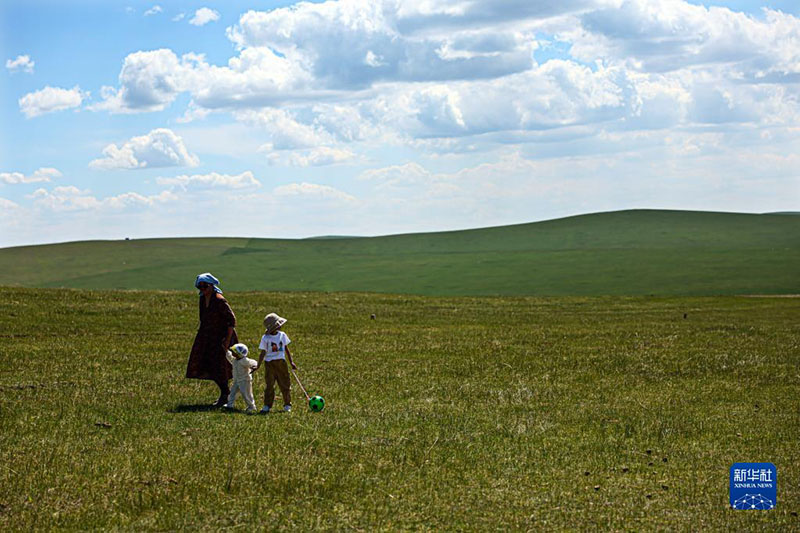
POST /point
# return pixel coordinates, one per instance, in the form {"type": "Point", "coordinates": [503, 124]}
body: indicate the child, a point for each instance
{"type": "Point", "coordinates": [242, 378]}
{"type": "Point", "coordinates": [274, 349]}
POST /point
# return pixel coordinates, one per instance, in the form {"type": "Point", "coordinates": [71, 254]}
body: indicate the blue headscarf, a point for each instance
{"type": "Point", "coordinates": [206, 277]}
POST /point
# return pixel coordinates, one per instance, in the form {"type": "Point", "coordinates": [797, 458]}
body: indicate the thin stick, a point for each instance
{"type": "Point", "coordinates": [301, 385]}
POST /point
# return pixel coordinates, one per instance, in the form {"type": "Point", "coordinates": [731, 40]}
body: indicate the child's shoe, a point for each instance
{"type": "Point", "coordinates": [264, 410]}
{"type": "Point", "coordinates": [287, 408]}
{"type": "Point", "coordinates": [251, 410]}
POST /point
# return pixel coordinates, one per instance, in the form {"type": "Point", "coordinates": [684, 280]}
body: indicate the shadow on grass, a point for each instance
{"type": "Point", "coordinates": [203, 408]}
{"type": "Point", "coordinates": [194, 408]}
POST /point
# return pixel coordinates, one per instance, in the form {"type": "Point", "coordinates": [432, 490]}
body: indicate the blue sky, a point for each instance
{"type": "Point", "coordinates": [366, 117]}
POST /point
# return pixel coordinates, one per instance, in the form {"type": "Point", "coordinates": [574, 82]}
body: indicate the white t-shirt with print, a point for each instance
{"type": "Point", "coordinates": [275, 346]}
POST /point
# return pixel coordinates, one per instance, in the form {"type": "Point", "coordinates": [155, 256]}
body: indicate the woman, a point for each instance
{"type": "Point", "coordinates": [214, 336]}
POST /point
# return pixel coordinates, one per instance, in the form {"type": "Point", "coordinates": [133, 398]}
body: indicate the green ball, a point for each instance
{"type": "Point", "coordinates": [316, 403]}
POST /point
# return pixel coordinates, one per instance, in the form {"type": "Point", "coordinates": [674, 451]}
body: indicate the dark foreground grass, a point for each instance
{"type": "Point", "coordinates": [442, 414]}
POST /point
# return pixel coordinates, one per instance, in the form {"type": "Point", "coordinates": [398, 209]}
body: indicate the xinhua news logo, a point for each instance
{"type": "Point", "coordinates": [754, 486]}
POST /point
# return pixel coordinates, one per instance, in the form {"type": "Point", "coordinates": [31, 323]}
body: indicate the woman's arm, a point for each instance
{"type": "Point", "coordinates": [228, 318]}
{"type": "Point", "coordinates": [228, 336]}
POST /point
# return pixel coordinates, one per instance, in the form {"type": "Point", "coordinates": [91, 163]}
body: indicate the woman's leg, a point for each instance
{"type": "Point", "coordinates": [224, 390]}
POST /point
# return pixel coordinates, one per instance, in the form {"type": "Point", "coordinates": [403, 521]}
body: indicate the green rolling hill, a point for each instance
{"type": "Point", "coordinates": [619, 253]}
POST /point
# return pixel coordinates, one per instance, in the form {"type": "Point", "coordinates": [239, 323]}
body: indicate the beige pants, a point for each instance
{"type": "Point", "coordinates": [245, 387]}
{"type": "Point", "coordinates": [277, 370]}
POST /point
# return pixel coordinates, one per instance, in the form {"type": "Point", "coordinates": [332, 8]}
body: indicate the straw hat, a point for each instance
{"type": "Point", "coordinates": [272, 322]}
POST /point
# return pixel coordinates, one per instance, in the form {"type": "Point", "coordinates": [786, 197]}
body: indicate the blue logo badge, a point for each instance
{"type": "Point", "coordinates": [754, 486]}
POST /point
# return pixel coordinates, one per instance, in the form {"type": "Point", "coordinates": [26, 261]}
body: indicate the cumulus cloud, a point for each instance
{"type": "Point", "coordinates": [149, 81]}
{"type": "Point", "coordinates": [21, 63]}
{"type": "Point", "coordinates": [159, 148]}
{"type": "Point", "coordinates": [554, 95]}
{"type": "Point", "coordinates": [448, 14]}
{"type": "Point", "coordinates": [286, 131]}
{"type": "Point", "coordinates": [155, 10]}
{"type": "Point", "coordinates": [203, 16]}
{"type": "Point", "coordinates": [295, 142]}
{"type": "Point", "coordinates": [317, 75]}
{"type": "Point", "coordinates": [50, 99]}
{"type": "Point", "coordinates": [71, 198]}
{"type": "Point", "coordinates": [317, 157]}
{"type": "Point", "coordinates": [409, 174]}
{"type": "Point", "coordinates": [213, 180]}
{"type": "Point", "coordinates": [412, 180]}
{"type": "Point", "coordinates": [6, 205]}
{"type": "Point", "coordinates": [355, 43]}
{"type": "Point", "coordinates": [257, 77]}
{"type": "Point", "coordinates": [314, 191]}
{"type": "Point", "coordinates": [41, 175]}
{"type": "Point", "coordinates": [667, 35]}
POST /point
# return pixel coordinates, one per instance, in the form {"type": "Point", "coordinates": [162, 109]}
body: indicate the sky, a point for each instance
{"type": "Point", "coordinates": [127, 119]}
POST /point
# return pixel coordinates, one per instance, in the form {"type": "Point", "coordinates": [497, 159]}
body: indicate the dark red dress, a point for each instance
{"type": "Point", "coordinates": [207, 360]}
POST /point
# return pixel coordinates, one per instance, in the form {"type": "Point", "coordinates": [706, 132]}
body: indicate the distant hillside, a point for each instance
{"type": "Point", "coordinates": [619, 253]}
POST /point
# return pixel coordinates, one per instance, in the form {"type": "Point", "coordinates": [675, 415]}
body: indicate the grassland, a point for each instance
{"type": "Point", "coordinates": [442, 414]}
{"type": "Point", "coordinates": [622, 253]}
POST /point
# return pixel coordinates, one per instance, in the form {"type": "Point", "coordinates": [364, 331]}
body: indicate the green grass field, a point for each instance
{"type": "Point", "coordinates": [677, 253]}
{"type": "Point", "coordinates": [442, 414]}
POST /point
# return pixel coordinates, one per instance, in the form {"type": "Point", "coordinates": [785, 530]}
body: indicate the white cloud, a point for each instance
{"type": "Point", "coordinates": [179, 17]}
{"type": "Point", "coordinates": [49, 100]}
{"type": "Point", "coordinates": [7, 204]}
{"type": "Point", "coordinates": [21, 63]}
{"type": "Point", "coordinates": [657, 169]}
{"type": "Point", "coordinates": [71, 198]}
{"type": "Point", "coordinates": [312, 49]}
{"type": "Point", "coordinates": [64, 199]}
{"type": "Point", "coordinates": [159, 148]}
{"type": "Point", "coordinates": [413, 183]}
{"type": "Point", "coordinates": [203, 16]}
{"type": "Point", "coordinates": [156, 9]}
{"type": "Point", "coordinates": [347, 122]}
{"type": "Point", "coordinates": [193, 112]}
{"type": "Point", "coordinates": [314, 191]}
{"type": "Point", "coordinates": [554, 95]}
{"type": "Point", "coordinates": [286, 131]}
{"type": "Point", "coordinates": [373, 60]}
{"type": "Point", "coordinates": [412, 173]}
{"type": "Point", "coordinates": [355, 43]}
{"type": "Point", "coordinates": [444, 15]}
{"type": "Point", "coordinates": [213, 180]}
{"type": "Point", "coordinates": [316, 157]}
{"type": "Point", "coordinates": [41, 175]}
{"type": "Point", "coordinates": [459, 75]}
{"type": "Point", "coordinates": [257, 77]}
{"type": "Point", "coordinates": [666, 35]}
{"type": "Point", "coordinates": [149, 81]}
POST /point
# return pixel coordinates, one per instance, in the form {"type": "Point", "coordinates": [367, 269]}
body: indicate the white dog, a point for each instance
{"type": "Point", "coordinates": [242, 378]}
